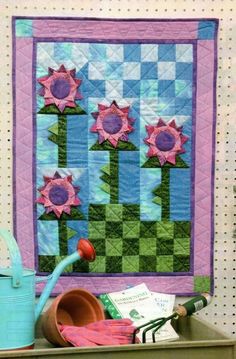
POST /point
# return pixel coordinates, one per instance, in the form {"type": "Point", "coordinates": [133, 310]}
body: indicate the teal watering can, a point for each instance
{"type": "Point", "coordinates": [18, 313]}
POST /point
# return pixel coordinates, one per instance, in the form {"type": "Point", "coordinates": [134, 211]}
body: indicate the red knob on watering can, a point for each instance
{"type": "Point", "coordinates": [86, 250]}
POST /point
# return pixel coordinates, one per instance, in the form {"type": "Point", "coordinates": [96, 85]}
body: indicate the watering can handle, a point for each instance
{"type": "Point", "coordinates": [15, 257]}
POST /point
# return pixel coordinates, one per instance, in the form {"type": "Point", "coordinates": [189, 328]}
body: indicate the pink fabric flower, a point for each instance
{"type": "Point", "coordinates": [60, 87]}
{"type": "Point", "coordinates": [165, 141]}
{"type": "Point", "coordinates": [112, 123]}
{"type": "Point", "coordinates": [58, 194]}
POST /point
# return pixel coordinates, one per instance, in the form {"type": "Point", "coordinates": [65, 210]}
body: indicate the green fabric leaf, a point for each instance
{"type": "Point", "coordinates": [105, 187]}
{"type": "Point", "coordinates": [70, 233]}
{"type": "Point", "coordinates": [153, 162]}
{"type": "Point", "coordinates": [53, 110]}
{"type": "Point", "coordinates": [106, 146]}
{"type": "Point", "coordinates": [157, 200]}
{"type": "Point", "coordinates": [53, 138]}
{"type": "Point", "coordinates": [106, 178]}
{"type": "Point", "coordinates": [74, 214]}
{"type": "Point", "coordinates": [54, 129]}
{"type": "Point", "coordinates": [106, 169]}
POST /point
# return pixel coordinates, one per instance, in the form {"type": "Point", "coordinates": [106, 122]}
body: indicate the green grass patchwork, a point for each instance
{"type": "Point", "coordinates": [114, 229]}
{"type": "Point", "coordinates": [114, 246]}
{"type": "Point", "coordinates": [182, 229]}
{"type": "Point", "coordinates": [181, 263]}
{"type": "Point", "coordinates": [165, 230]}
{"type": "Point", "coordinates": [99, 246]}
{"type": "Point", "coordinates": [114, 212]}
{"type": "Point", "coordinates": [97, 229]}
{"type": "Point", "coordinates": [131, 212]}
{"type": "Point", "coordinates": [148, 229]}
{"type": "Point", "coordinates": [164, 263]}
{"type": "Point", "coordinates": [147, 246]}
{"type": "Point", "coordinates": [147, 262]}
{"type": "Point", "coordinates": [202, 284]}
{"type": "Point", "coordinates": [46, 263]}
{"type": "Point", "coordinates": [113, 264]}
{"type": "Point", "coordinates": [131, 229]}
{"type": "Point", "coordinates": [97, 212]}
{"type": "Point", "coordinates": [81, 266]}
{"type": "Point", "coordinates": [182, 246]}
{"type": "Point", "coordinates": [165, 247]}
{"type": "Point", "coordinates": [98, 266]}
{"type": "Point", "coordinates": [130, 264]}
{"type": "Point", "coordinates": [130, 246]}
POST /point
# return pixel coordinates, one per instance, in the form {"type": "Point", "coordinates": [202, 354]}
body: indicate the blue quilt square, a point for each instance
{"type": "Point", "coordinates": [97, 52]}
{"type": "Point", "coordinates": [24, 28]}
{"type": "Point", "coordinates": [132, 52]}
{"type": "Point", "coordinates": [114, 70]}
{"type": "Point", "coordinates": [166, 88]}
{"type": "Point", "coordinates": [149, 70]}
{"type": "Point", "coordinates": [183, 88]}
{"type": "Point", "coordinates": [166, 106]}
{"type": "Point", "coordinates": [131, 88]}
{"type": "Point", "coordinates": [183, 106]}
{"type": "Point", "coordinates": [184, 71]}
{"type": "Point", "coordinates": [207, 30]}
{"type": "Point", "coordinates": [166, 52]}
{"type": "Point", "coordinates": [96, 88]}
{"type": "Point", "coordinates": [148, 88]}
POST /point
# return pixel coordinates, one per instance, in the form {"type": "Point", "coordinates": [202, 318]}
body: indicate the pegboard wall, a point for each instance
{"type": "Point", "coordinates": [222, 311]}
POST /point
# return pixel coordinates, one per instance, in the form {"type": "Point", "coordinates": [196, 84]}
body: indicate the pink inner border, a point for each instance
{"type": "Point", "coordinates": [23, 149]}
{"type": "Point", "coordinates": [203, 174]}
{"type": "Point", "coordinates": [103, 29]}
{"type": "Point", "coordinates": [203, 164]}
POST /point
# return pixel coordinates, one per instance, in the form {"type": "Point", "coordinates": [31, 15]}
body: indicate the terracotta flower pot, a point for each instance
{"type": "Point", "coordinates": [74, 307]}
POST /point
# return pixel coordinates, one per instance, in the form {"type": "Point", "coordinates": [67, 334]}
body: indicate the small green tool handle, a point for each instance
{"type": "Point", "coordinates": [193, 305]}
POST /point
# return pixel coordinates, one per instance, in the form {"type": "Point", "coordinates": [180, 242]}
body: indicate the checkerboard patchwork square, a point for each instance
{"type": "Point", "coordinates": [114, 70]}
{"type": "Point", "coordinates": [115, 53]}
{"type": "Point", "coordinates": [166, 52]}
{"type": "Point", "coordinates": [132, 52]}
{"type": "Point", "coordinates": [130, 264]}
{"type": "Point", "coordinates": [166, 70]}
{"type": "Point", "coordinates": [114, 247]}
{"type": "Point", "coordinates": [97, 70]}
{"type": "Point", "coordinates": [130, 246]}
{"type": "Point", "coordinates": [149, 52]}
{"type": "Point", "coordinates": [148, 89]}
{"type": "Point", "coordinates": [131, 71]}
{"type": "Point", "coordinates": [184, 53]}
{"type": "Point", "coordinates": [149, 70]}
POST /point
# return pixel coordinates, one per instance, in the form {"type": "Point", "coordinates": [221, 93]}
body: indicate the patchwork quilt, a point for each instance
{"type": "Point", "coordinates": [114, 127]}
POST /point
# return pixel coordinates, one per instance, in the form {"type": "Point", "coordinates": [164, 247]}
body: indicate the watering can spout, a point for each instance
{"type": "Point", "coordinates": [85, 250]}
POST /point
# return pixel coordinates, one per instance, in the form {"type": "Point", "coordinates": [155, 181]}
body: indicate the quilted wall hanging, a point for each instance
{"type": "Point", "coordinates": [114, 126]}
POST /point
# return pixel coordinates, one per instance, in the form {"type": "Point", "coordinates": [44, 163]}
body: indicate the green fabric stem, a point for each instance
{"type": "Point", "coordinates": [62, 232]}
{"type": "Point", "coordinates": [166, 193]}
{"type": "Point", "coordinates": [114, 177]}
{"type": "Point", "coordinates": [62, 141]}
